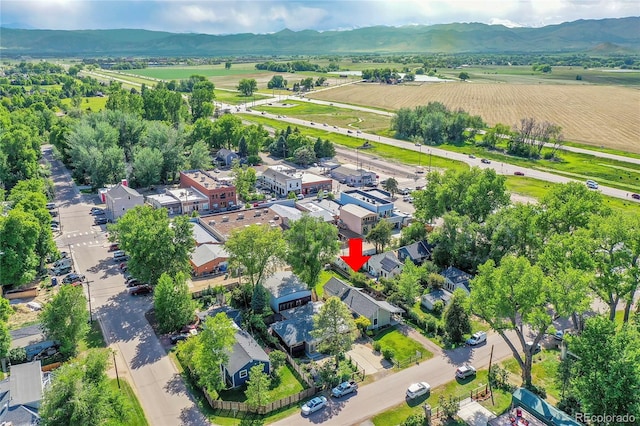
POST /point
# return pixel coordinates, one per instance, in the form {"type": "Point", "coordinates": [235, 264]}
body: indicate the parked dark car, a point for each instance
{"type": "Point", "coordinates": [179, 338]}
{"type": "Point", "coordinates": [485, 161]}
{"type": "Point", "coordinates": [635, 196]}
{"type": "Point", "coordinates": [132, 283]}
{"type": "Point", "coordinates": [73, 279]}
{"type": "Point", "coordinates": [114, 247]}
{"type": "Point", "coordinates": [141, 289]}
{"type": "Point", "coordinates": [100, 221]}
{"type": "Point", "coordinates": [96, 211]}
{"type": "Point", "coordinates": [518, 173]}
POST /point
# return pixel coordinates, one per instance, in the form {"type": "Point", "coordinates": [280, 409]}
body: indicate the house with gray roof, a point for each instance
{"type": "Point", "coordinates": [287, 291]}
{"type": "Point", "coordinates": [380, 313]}
{"type": "Point", "coordinates": [430, 299]}
{"type": "Point", "coordinates": [21, 394]}
{"type": "Point", "coordinates": [245, 354]}
{"type": "Point", "coordinates": [120, 199]}
{"type": "Point", "coordinates": [455, 278]}
{"type": "Point", "coordinates": [226, 156]}
{"type": "Point", "coordinates": [294, 330]}
{"type": "Point", "coordinates": [417, 252]}
{"type": "Point", "coordinates": [209, 259]}
{"type": "Point", "coordinates": [384, 265]}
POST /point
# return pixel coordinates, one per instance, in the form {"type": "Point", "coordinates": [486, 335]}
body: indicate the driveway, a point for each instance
{"type": "Point", "coordinates": [140, 356]}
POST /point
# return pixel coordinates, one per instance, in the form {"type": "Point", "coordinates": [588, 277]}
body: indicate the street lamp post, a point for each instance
{"type": "Point", "coordinates": [89, 296]}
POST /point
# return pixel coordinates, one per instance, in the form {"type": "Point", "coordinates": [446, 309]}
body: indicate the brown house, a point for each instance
{"type": "Point", "coordinates": [221, 194]}
{"type": "Point", "coordinates": [209, 259]}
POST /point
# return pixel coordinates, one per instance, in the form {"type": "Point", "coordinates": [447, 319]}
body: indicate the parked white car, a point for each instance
{"type": "Point", "coordinates": [477, 338]}
{"type": "Point", "coordinates": [418, 389]}
{"type": "Point", "coordinates": [314, 405]}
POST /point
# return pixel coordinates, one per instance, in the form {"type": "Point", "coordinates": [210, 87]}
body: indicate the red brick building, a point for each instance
{"type": "Point", "coordinates": [221, 194]}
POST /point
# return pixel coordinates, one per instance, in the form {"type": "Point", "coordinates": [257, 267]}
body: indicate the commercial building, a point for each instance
{"type": "Point", "coordinates": [221, 194]}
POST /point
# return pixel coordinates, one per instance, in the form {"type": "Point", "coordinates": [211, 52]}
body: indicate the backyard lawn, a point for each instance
{"type": "Point", "coordinates": [403, 347]}
{"type": "Point", "coordinates": [543, 372]}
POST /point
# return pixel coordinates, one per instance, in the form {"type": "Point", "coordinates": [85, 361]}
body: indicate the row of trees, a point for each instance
{"type": "Point", "coordinates": [296, 66]}
{"type": "Point", "coordinates": [551, 258]}
{"type": "Point", "coordinates": [434, 124]}
{"type": "Point", "coordinates": [292, 144]}
{"type": "Point", "coordinates": [527, 139]}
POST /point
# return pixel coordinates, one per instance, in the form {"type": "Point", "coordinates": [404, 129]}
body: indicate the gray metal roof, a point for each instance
{"type": "Point", "coordinates": [245, 350]}
{"type": "Point", "coordinates": [417, 251]}
{"type": "Point", "coordinates": [358, 301]}
{"type": "Point", "coordinates": [121, 191]}
{"type": "Point", "coordinates": [201, 235]}
{"type": "Point", "coordinates": [208, 252]}
{"type": "Point", "coordinates": [457, 277]}
{"type": "Point", "coordinates": [284, 283]}
{"type": "Point", "coordinates": [25, 383]}
{"type": "Point", "coordinates": [297, 325]}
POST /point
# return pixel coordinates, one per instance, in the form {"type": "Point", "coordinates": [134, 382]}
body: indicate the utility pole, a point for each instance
{"type": "Point", "coordinates": [89, 295]}
{"type": "Point", "coordinates": [491, 390]}
{"type": "Point", "coordinates": [116, 367]}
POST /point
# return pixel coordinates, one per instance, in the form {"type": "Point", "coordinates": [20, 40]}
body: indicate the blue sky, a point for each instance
{"type": "Point", "coordinates": [266, 16]}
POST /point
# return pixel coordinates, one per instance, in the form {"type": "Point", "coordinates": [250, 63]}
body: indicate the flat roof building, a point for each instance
{"type": "Point", "coordinates": [221, 194]}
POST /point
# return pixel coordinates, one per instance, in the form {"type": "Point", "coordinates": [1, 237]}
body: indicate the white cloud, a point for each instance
{"type": "Point", "coordinates": [262, 16]}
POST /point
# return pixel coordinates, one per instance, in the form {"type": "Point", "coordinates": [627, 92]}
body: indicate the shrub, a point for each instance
{"type": "Point", "coordinates": [414, 420]}
{"type": "Point", "coordinates": [438, 307]}
{"type": "Point", "coordinates": [17, 356]}
{"type": "Point", "coordinates": [431, 325]}
{"type": "Point", "coordinates": [377, 346]}
{"type": "Point", "coordinates": [388, 353]}
{"type": "Point", "coordinates": [538, 390]}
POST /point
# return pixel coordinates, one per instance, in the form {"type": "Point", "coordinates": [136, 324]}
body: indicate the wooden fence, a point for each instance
{"type": "Point", "coordinates": [243, 407]}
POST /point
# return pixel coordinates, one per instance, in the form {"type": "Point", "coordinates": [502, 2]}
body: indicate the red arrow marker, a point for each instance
{"type": "Point", "coordinates": [355, 260]}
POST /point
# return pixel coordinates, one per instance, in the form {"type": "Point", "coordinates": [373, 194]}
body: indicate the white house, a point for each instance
{"type": "Point", "coordinates": [282, 180]}
{"type": "Point", "coordinates": [384, 265]}
{"type": "Point", "coordinates": [121, 199]}
{"type": "Point", "coordinates": [455, 278]}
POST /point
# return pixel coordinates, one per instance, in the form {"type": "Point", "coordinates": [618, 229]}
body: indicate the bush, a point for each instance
{"type": "Point", "coordinates": [377, 346]}
{"type": "Point", "coordinates": [17, 356]}
{"type": "Point", "coordinates": [438, 307]}
{"type": "Point", "coordinates": [431, 325]}
{"type": "Point", "coordinates": [253, 160]}
{"type": "Point", "coordinates": [414, 420]}
{"type": "Point", "coordinates": [388, 353]}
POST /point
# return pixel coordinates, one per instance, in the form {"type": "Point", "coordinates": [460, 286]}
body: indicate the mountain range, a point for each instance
{"type": "Point", "coordinates": [622, 34]}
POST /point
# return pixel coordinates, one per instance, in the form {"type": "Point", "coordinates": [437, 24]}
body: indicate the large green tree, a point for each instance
{"type": "Point", "coordinates": [147, 166]}
{"type": "Point", "coordinates": [80, 394]}
{"type": "Point", "coordinates": [201, 100]}
{"type": "Point", "coordinates": [390, 185]}
{"type": "Point", "coordinates": [247, 86]}
{"type": "Point", "coordinates": [311, 243]}
{"type": "Point", "coordinates": [474, 192]}
{"type": "Point", "coordinates": [170, 142]}
{"type": "Point", "coordinates": [606, 377]}
{"type": "Point", "coordinates": [257, 249]}
{"type": "Point", "coordinates": [174, 307]}
{"type": "Point", "coordinates": [19, 233]}
{"type": "Point", "coordinates": [408, 283]}
{"type": "Point", "coordinates": [258, 385]}
{"type": "Point", "coordinates": [205, 352]}
{"type": "Point", "coordinates": [66, 318]}
{"type": "Point", "coordinates": [514, 297]}
{"type": "Point", "coordinates": [5, 336]}
{"type": "Point", "coordinates": [334, 328]}
{"type": "Point", "coordinates": [380, 235]}
{"type": "Point", "coordinates": [18, 155]}
{"type": "Point", "coordinates": [244, 179]}
{"type": "Point", "coordinates": [456, 317]}
{"type": "Point", "coordinates": [154, 243]}
{"type": "Point", "coordinates": [226, 131]}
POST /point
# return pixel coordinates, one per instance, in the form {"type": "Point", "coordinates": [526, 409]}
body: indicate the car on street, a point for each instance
{"type": "Point", "coordinates": [465, 371]}
{"type": "Point", "coordinates": [518, 173]}
{"type": "Point", "coordinates": [485, 161]}
{"type": "Point", "coordinates": [100, 221]}
{"type": "Point", "coordinates": [73, 279]}
{"type": "Point", "coordinates": [51, 206]}
{"type": "Point", "coordinates": [120, 255]}
{"type": "Point", "coordinates": [314, 405]}
{"type": "Point", "coordinates": [349, 131]}
{"type": "Point", "coordinates": [592, 184]}
{"type": "Point", "coordinates": [418, 389]}
{"type": "Point", "coordinates": [635, 196]}
{"type": "Point", "coordinates": [477, 338]}
{"type": "Point", "coordinates": [132, 283]}
{"type": "Point", "coordinates": [140, 290]}
{"type": "Point", "coordinates": [63, 270]}
{"type": "Point", "coordinates": [179, 338]}
{"type": "Point", "coordinates": [558, 335]}
{"type": "Point", "coordinates": [55, 227]}
{"type": "Point", "coordinates": [53, 213]}
{"type": "Point", "coordinates": [114, 247]}
{"type": "Point", "coordinates": [344, 388]}
{"type": "Point", "coordinates": [472, 156]}
{"type": "Point", "coordinates": [95, 211]}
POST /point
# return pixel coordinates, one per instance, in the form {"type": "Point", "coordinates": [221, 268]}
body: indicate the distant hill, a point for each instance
{"type": "Point", "coordinates": [577, 36]}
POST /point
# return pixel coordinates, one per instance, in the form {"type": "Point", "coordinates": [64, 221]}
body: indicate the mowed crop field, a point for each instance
{"type": "Point", "coordinates": [606, 116]}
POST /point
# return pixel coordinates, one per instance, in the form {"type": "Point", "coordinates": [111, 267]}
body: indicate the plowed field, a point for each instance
{"type": "Point", "coordinates": [597, 115]}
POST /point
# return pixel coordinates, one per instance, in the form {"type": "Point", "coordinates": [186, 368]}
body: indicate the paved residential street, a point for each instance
{"type": "Point", "coordinates": [389, 391]}
{"type": "Point", "coordinates": [140, 356]}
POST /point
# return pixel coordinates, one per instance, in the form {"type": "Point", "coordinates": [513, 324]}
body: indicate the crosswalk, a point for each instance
{"type": "Point", "coordinates": [74, 234]}
{"type": "Point", "coordinates": [85, 244]}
